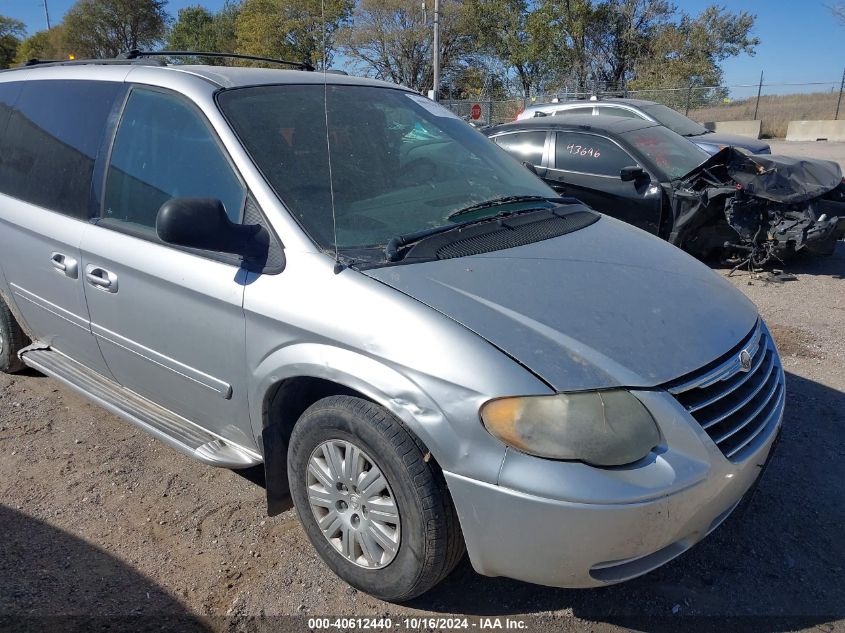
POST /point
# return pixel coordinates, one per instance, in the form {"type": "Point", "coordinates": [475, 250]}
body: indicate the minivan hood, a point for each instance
{"type": "Point", "coordinates": [605, 306]}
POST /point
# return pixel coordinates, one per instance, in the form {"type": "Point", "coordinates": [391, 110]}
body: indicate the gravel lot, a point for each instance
{"type": "Point", "coordinates": [97, 518]}
{"type": "Point", "coordinates": [828, 150]}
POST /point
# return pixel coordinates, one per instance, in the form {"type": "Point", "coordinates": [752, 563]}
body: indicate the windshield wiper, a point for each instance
{"type": "Point", "coordinates": [495, 202]}
{"type": "Point", "coordinates": [399, 241]}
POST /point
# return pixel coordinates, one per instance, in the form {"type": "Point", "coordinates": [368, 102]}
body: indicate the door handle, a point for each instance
{"type": "Point", "coordinates": [101, 278]}
{"type": "Point", "coordinates": [64, 264]}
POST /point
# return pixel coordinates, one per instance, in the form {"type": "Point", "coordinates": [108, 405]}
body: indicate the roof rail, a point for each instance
{"type": "Point", "coordinates": [136, 54]}
{"type": "Point", "coordinates": [37, 62]}
{"type": "Point", "coordinates": [83, 62]}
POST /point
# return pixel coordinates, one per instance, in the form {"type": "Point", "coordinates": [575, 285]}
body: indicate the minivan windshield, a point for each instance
{"type": "Point", "coordinates": [675, 121]}
{"type": "Point", "coordinates": [400, 163]}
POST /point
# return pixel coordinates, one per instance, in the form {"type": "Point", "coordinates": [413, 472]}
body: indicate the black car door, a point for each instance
{"type": "Point", "coordinates": [527, 146]}
{"type": "Point", "coordinates": [587, 166]}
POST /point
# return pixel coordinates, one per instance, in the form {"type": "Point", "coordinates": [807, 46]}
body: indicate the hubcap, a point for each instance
{"type": "Point", "coordinates": [353, 504]}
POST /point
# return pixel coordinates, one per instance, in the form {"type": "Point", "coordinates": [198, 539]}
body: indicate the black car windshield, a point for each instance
{"type": "Point", "coordinates": [400, 163]}
{"type": "Point", "coordinates": [671, 154]}
{"type": "Point", "coordinates": [674, 120]}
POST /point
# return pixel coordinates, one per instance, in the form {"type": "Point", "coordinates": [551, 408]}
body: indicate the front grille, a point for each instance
{"type": "Point", "coordinates": [737, 408]}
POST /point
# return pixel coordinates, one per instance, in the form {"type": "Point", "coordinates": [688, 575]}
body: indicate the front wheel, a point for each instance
{"type": "Point", "coordinates": [373, 507]}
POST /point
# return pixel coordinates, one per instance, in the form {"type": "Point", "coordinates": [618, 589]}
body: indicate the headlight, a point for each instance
{"type": "Point", "coordinates": [604, 428]}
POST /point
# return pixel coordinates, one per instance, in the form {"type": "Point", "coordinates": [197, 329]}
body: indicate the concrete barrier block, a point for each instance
{"type": "Point", "coordinates": [816, 131]}
{"type": "Point", "coordinates": [743, 128]}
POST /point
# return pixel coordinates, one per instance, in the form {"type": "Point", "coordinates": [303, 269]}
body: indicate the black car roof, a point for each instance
{"type": "Point", "coordinates": [576, 122]}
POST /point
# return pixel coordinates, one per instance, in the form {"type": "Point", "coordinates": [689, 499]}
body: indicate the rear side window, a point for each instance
{"type": "Point", "coordinates": [590, 154]}
{"type": "Point", "coordinates": [620, 112]}
{"type": "Point", "coordinates": [164, 149]}
{"type": "Point", "coordinates": [573, 111]}
{"type": "Point", "coordinates": [9, 93]}
{"type": "Point", "coordinates": [51, 142]}
{"type": "Point", "coordinates": [524, 146]}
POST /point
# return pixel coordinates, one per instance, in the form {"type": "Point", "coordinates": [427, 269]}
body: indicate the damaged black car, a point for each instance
{"type": "Point", "coordinates": [739, 207]}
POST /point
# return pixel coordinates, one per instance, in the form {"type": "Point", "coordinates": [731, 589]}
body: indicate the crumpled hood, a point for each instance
{"type": "Point", "coordinates": [786, 179]}
{"type": "Point", "coordinates": [605, 306]}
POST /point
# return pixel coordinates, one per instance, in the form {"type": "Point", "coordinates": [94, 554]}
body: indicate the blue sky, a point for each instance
{"type": "Point", "coordinates": [800, 41]}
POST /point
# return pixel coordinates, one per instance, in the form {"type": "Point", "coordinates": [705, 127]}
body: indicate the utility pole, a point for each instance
{"type": "Point", "coordinates": [839, 100]}
{"type": "Point", "coordinates": [759, 90]}
{"type": "Point", "coordinates": [47, 14]}
{"type": "Point", "coordinates": [436, 54]}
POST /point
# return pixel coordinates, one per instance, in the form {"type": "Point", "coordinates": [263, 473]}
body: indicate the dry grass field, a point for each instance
{"type": "Point", "coordinates": [776, 111]}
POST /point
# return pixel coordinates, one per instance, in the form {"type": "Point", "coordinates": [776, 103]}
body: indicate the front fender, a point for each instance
{"type": "Point", "coordinates": [406, 398]}
{"type": "Point", "coordinates": [428, 370]}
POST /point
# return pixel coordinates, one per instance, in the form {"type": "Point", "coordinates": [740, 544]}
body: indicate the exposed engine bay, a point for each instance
{"type": "Point", "coordinates": [758, 209]}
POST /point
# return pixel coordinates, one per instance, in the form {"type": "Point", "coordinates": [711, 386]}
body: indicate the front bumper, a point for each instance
{"type": "Point", "coordinates": [570, 525]}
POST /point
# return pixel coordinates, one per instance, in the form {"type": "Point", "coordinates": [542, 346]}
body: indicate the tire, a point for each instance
{"type": "Point", "coordinates": [12, 339]}
{"type": "Point", "coordinates": [427, 533]}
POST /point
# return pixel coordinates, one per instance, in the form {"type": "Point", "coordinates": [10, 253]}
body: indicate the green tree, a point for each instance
{"type": "Point", "coordinates": [193, 30]}
{"type": "Point", "coordinates": [107, 28]}
{"type": "Point", "coordinates": [622, 33]}
{"type": "Point", "coordinates": [608, 44]}
{"type": "Point", "coordinates": [481, 78]}
{"type": "Point", "coordinates": [198, 29]}
{"type": "Point", "coordinates": [392, 40]}
{"type": "Point", "coordinates": [11, 34]}
{"type": "Point", "coordinates": [518, 33]}
{"type": "Point", "coordinates": [690, 52]}
{"type": "Point", "coordinates": [573, 40]}
{"type": "Point", "coordinates": [298, 30]}
{"type": "Point", "coordinates": [43, 45]}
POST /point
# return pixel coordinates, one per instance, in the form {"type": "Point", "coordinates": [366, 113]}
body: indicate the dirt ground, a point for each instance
{"type": "Point", "coordinates": [99, 520]}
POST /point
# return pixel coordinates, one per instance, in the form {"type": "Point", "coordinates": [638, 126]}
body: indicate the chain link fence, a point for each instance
{"type": "Point", "coordinates": [487, 112]}
{"type": "Point", "coordinates": [774, 104]}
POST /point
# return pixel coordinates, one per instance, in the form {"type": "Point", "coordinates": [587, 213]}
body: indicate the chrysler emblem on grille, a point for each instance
{"type": "Point", "coordinates": [745, 360]}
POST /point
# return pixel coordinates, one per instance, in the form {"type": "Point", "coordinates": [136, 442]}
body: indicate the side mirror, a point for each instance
{"type": "Point", "coordinates": [631, 173]}
{"type": "Point", "coordinates": [202, 223]}
{"type": "Point", "coordinates": [529, 167]}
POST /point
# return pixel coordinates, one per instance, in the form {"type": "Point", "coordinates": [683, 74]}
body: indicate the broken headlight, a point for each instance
{"type": "Point", "coordinates": [603, 428]}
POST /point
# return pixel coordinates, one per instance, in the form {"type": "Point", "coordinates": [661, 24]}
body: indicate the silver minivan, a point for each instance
{"type": "Point", "coordinates": [428, 351]}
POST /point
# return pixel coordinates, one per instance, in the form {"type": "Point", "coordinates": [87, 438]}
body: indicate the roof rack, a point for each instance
{"type": "Point", "coordinates": [136, 54]}
{"type": "Point", "coordinates": [82, 62]}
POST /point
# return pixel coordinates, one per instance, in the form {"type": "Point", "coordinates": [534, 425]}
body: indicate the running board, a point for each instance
{"type": "Point", "coordinates": [183, 435]}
